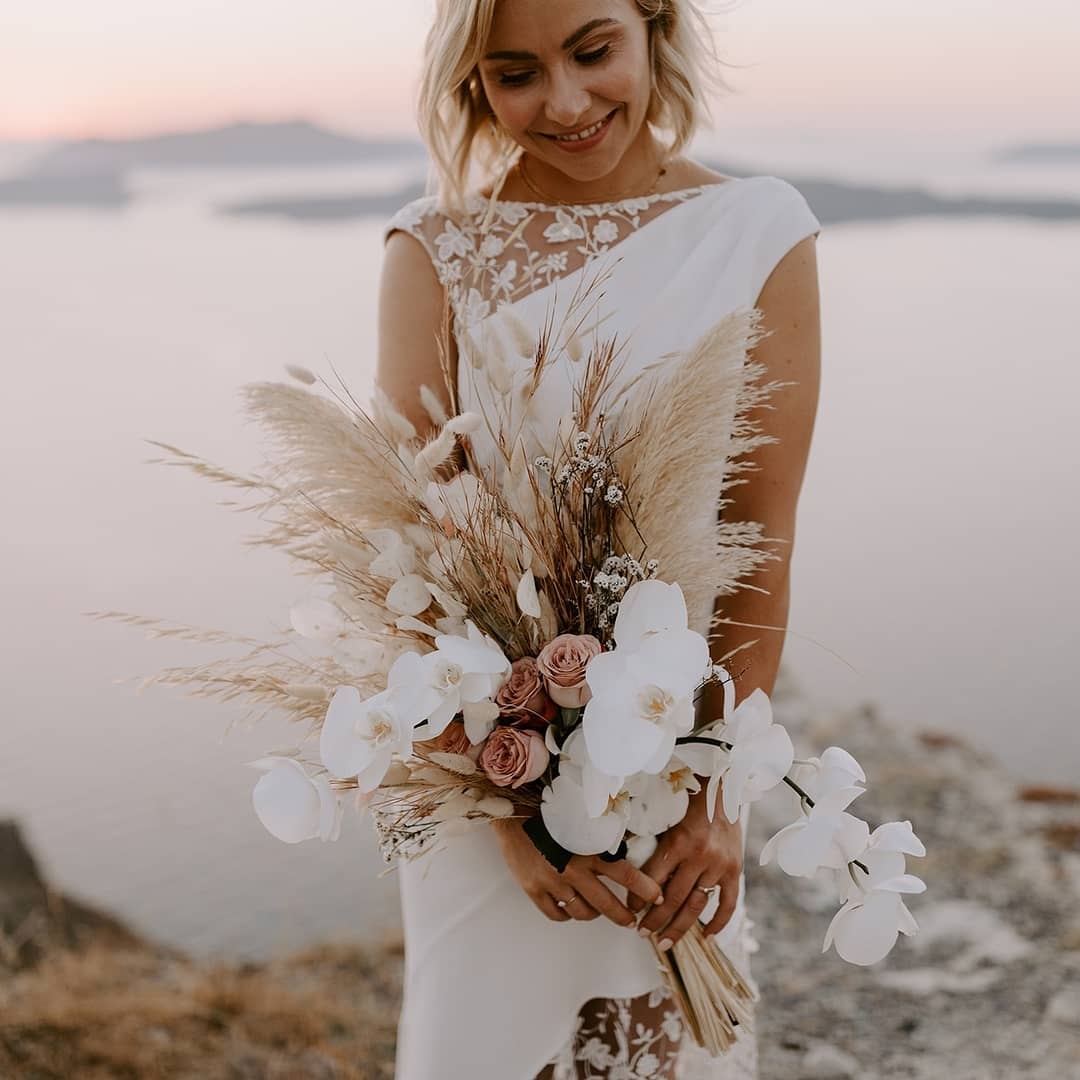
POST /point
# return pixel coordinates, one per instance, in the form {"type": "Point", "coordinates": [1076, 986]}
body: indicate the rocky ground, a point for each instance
{"type": "Point", "coordinates": [989, 989]}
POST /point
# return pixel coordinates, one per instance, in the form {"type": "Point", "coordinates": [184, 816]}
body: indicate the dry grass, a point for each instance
{"type": "Point", "coordinates": [103, 1013]}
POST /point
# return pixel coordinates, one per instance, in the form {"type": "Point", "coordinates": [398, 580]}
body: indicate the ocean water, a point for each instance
{"type": "Point", "coordinates": [934, 569]}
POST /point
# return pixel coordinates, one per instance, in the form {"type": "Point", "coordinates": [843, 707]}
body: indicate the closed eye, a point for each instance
{"type": "Point", "coordinates": [522, 78]}
{"type": "Point", "coordinates": [593, 57]}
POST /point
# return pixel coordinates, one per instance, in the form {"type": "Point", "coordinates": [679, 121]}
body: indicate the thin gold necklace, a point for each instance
{"type": "Point", "coordinates": [551, 199]}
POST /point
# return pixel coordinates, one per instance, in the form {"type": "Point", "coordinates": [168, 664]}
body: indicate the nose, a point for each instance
{"type": "Point", "coordinates": [568, 101]}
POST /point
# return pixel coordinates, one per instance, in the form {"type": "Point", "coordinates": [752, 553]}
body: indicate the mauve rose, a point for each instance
{"type": "Point", "coordinates": [514, 756]}
{"type": "Point", "coordinates": [522, 697]}
{"type": "Point", "coordinates": [453, 740]}
{"type": "Point", "coordinates": [562, 664]}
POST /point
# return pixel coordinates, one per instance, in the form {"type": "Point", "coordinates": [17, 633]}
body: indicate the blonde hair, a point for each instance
{"type": "Point", "coordinates": [456, 120]}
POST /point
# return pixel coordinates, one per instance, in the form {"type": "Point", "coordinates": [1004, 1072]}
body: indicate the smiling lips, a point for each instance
{"type": "Point", "coordinates": [582, 134]}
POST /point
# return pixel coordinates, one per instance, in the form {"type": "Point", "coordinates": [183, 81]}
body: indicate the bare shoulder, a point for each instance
{"type": "Point", "coordinates": [685, 172]}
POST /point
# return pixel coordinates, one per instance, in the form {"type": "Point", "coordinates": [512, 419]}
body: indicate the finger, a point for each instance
{"type": "Point", "coordinates": [729, 897]}
{"type": "Point", "coordinates": [676, 891]}
{"type": "Point", "coordinates": [694, 904]}
{"type": "Point", "coordinates": [577, 907]}
{"type": "Point", "coordinates": [640, 887]}
{"type": "Point", "coordinates": [602, 899]}
{"type": "Point", "coordinates": [546, 903]}
{"type": "Point", "coordinates": [660, 866]}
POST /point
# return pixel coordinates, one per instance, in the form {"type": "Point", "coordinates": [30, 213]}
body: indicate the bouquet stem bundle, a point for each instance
{"type": "Point", "coordinates": [713, 996]}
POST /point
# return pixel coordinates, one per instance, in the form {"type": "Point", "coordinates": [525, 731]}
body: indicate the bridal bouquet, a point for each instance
{"type": "Point", "coordinates": [520, 632]}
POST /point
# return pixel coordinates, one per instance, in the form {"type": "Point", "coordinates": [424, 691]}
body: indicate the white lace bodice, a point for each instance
{"type": "Point", "coordinates": [498, 254]}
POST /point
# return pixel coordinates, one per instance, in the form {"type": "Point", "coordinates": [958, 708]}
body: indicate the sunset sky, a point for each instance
{"type": "Point", "coordinates": [69, 68]}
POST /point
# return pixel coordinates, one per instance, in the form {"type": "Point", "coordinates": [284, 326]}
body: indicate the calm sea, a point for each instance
{"type": "Point", "coordinates": [934, 564]}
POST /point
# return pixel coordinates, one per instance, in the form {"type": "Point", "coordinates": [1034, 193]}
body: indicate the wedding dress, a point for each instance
{"type": "Point", "coordinates": [493, 989]}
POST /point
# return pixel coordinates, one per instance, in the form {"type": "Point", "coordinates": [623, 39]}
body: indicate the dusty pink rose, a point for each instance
{"type": "Point", "coordinates": [453, 740]}
{"type": "Point", "coordinates": [513, 756]}
{"type": "Point", "coordinates": [522, 699]}
{"type": "Point", "coordinates": [562, 664]}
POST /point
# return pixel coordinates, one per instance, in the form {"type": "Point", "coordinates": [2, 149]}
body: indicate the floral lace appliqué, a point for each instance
{"type": "Point", "coordinates": [522, 247]}
{"type": "Point", "coordinates": [644, 1038]}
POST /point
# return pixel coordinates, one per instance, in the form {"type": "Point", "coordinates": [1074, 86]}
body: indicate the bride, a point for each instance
{"type": "Point", "coordinates": [577, 114]}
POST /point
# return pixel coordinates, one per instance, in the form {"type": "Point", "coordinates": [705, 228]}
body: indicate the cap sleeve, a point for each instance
{"type": "Point", "coordinates": [785, 220]}
{"type": "Point", "coordinates": [419, 219]}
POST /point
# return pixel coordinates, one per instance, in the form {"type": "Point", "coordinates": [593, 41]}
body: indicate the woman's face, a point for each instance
{"type": "Point", "coordinates": [558, 68]}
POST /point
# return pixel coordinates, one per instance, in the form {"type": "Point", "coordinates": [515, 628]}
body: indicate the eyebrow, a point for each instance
{"type": "Point", "coordinates": [569, 43]}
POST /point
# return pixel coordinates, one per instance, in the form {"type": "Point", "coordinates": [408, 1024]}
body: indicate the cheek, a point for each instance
{"type": "Point", "coordinates": [624, 82]}
{"type": "Point", "coordinates": [513, 108]}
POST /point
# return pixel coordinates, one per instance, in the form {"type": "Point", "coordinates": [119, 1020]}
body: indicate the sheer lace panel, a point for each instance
{"type": "Point", "coordinates": [485, 260]}
{"type": "Point", "coordinates": [644, 1038]}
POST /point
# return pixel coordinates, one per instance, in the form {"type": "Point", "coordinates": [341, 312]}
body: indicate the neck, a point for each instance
{"type": "Point", "coordinates": [636, 173]}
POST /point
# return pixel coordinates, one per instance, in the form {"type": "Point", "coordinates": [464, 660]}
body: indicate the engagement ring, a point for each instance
{"type": "Point", "coordinates": [710, 890]}
{"type": "Point", "coordinates": [563, 903]}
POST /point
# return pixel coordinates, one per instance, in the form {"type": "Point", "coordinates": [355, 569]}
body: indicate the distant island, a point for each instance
{"type": "Point", "coordinates": [833, 201]}
{"type": "Point", "coordinates": [94, 174]}
{"type": "Point", "coordinates": [1042, 153]}
{"type": "Point", "coordinates": [232, 146]}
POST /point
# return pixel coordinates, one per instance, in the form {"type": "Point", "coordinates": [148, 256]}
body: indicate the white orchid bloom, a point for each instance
{"type": "Point", "coordinates": [360, 737]}
{"type": "Point", "coordinates": [865, 929]}
{"type": "Point", "coordinates": [598, 786]}
{"type": "Point", "coordinates": [294, 806]}
{"type": "Point", "coordinates": [572, 827]}
{"type": "Point", "coordinates": [835, 770]}
{"type": "Point", "coordinates": [760, 757]}
{"type": "Point", "coordinates": [660, 801]}
{"type": "Point", "coordinates": [643, 698]}
{"type": "Point", "coordinates": [826, 836]}
{"type": "Point", "coordinates": [462, 675]}
{"type": "Point", "coordinates": [649, 607]}
{"type": "Point", "coordinates": [882, 854]}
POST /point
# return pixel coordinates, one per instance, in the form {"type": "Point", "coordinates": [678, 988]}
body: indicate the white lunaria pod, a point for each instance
{"type": "Point", "coordinates": [409, 595]}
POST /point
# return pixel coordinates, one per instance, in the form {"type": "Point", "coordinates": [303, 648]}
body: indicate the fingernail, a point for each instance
{"type": "Point", "coordinates": [659, 900]}
{"type": "Point", "coordinates": [665, 944]}
{"type": "Point", "coordinates": [644, 932]}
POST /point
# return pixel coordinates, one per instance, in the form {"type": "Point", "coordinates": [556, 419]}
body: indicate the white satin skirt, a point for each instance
{"type": "Point", "coordinates": [492, 986]}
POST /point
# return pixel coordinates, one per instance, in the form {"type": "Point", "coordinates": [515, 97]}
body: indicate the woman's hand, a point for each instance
{"type": "Point", "coordinates": [579, 884]}
{"type": "Point", "coordinates": [690, 858]}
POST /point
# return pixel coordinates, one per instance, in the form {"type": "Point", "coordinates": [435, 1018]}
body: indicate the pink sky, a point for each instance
{"type": "Point", "coordinates": [122, 67]}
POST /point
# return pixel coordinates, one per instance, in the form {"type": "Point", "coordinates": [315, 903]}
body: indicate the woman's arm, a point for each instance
{"type": "Point", "coordinates": [791, 305]}
{"type": "Point", "coordinates": [412, 317]}
{"type": "Point", "coordinates": [696, 853]}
